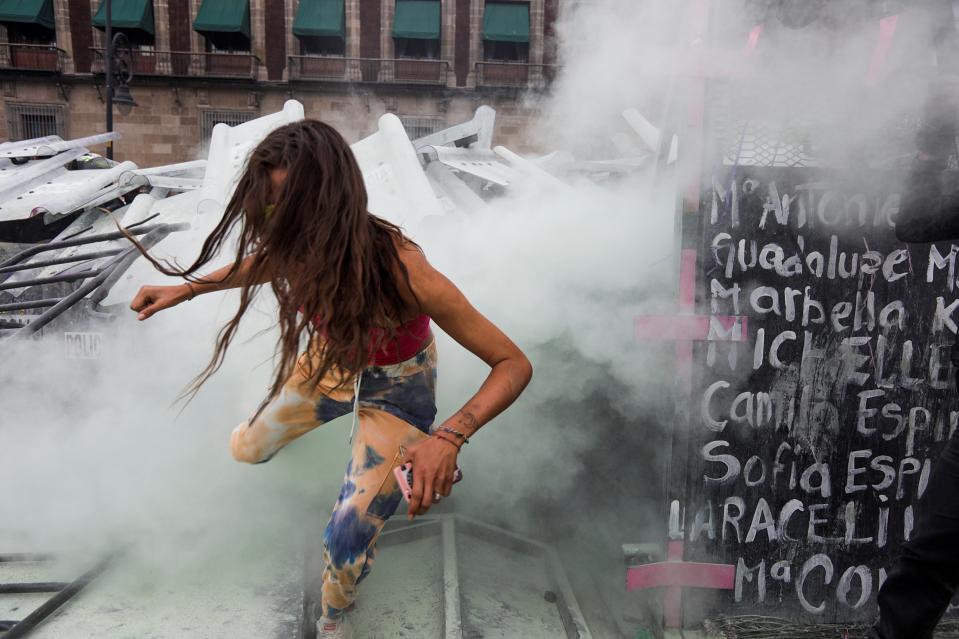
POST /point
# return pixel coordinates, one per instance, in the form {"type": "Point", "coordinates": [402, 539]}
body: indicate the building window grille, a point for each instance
{"type": "Point", "coordinates": [210, 118]}
{"type": "Point", "coordinates": [419, 127]}
{"type": "Point", "coordinates": [28, 121]}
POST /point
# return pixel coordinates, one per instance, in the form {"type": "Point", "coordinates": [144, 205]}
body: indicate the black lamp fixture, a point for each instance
{"type": "Point", "coordinates": [123, 100]}
{"type": "Point", "coordinates": [118, 71]}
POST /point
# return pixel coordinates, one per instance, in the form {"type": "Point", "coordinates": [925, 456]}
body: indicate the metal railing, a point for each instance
{"type": "Point", "coordinates": [96, 282]}
{"type": "Point", "coordinates": [514, 74]}
{"type": "Point", "coordinates": [31, 57]}
{"type": "Point", "coordinates": [382, 70]}
{"type": "Point", "coordinates": [320, 67]}
{"type": "Point", "coordinates": [419, 71]}
{"type": "Point", "coordinates": [60, 591]}
{"type": "Point", "coordinates": [187, 63]}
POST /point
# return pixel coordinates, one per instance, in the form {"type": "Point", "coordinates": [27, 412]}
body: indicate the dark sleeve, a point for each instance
{"type": "Point", "coordinates": [926, 214]}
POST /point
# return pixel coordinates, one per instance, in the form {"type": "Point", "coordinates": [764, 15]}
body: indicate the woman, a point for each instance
{"type": "Point", "coordinates": [363, 295]}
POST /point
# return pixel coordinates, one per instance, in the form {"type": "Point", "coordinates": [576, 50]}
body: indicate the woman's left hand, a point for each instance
{"type": "Point", "coordinates": [434, 462]}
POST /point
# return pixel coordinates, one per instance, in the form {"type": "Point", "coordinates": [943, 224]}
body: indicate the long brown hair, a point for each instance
{"type": "Point", "coordinates": [334, 267]}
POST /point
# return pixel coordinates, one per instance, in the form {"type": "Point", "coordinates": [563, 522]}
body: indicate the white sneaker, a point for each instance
{"type": "Point", "coordinates": [333, 629]}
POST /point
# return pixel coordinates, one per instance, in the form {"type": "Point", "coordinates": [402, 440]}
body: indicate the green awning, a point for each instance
{"type": "Point", "coordinates": [126, 14]}
{"type": "Point", "coordinates": [320, 18]}
{"type": "Point", "coordinates": [38, 12]}
{"type": "Point", "coordinates": [417, 19]}
{"type": "Point", "coordinates": [506, 22]}
{"type": "Point", "coordinates": [223, 16]}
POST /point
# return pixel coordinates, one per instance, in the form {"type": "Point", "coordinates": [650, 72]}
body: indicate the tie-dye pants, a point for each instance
{"type": "Point", "coordinates": [396, 408]}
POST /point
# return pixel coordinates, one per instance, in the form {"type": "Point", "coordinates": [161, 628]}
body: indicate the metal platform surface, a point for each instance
{"type": "Point", "coordinates": [449, 577]}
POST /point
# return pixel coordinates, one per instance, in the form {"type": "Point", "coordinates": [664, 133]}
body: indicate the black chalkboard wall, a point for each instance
{"type": "Point", "coordinates": [811, 441]}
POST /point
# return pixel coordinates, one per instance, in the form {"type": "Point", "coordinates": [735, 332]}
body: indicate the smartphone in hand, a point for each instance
{"type": "Point", "coordinates": [404, 477]}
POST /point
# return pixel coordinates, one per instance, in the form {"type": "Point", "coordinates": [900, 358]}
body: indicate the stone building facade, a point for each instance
{"type": "Point", "coordinates": [431, 62]}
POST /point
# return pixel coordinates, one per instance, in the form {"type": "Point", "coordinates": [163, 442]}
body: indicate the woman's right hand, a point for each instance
{"type": "Point", "coordinates": [151, 299]}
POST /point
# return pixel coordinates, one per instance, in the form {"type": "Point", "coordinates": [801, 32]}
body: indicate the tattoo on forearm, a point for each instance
{"type": "Point", "coordinates": [468, 420]}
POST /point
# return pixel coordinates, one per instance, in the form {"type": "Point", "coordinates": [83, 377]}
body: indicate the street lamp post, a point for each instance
{"type": "Point", "coordinates": [108, 70]}
{"type": "Point", "coordinates": [118, 68]}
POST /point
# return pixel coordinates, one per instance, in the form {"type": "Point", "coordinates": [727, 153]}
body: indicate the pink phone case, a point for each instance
{"type": "Point", "coordinates": [404, 477]}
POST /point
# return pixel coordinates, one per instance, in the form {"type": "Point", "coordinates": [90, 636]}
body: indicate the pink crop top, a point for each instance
{"type": "Point", "coordinates": [410, 339]}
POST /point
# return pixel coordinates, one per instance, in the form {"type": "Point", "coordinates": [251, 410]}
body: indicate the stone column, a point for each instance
{"type": "Point", "coordinates": [258, 36]}
{"type": "Point", "coordinates": [61, 16]}
{"type": "Point", "coordinates": [387, 11]}
{"type": "Point", "coordinates": [387, 47]}
{"type": "Point", "coordinates": [198, 51]}
{"type": "Point", "coordinates": [448, 39]}
{"type": "Point", "coordinates": [161, 18]}
{"type": "Point", "coordinates": [98, 36]}
{"type": "Point", "coordinates": [550, 18]}
{"type": "Point", "coordinates": [352, 28]}
{"type": "Point", "coordinates": [353, 35]}
{"type": "Point", "coordinates": [537, 10]}
{"type": "Point", "coordinates": [292, 42]}
{"type": "Point", "coordinates": [198, 42]}
{"type": "Point", "coordinates": [161, 39]}
{"type": "Point", "coordinates": [476, 43]}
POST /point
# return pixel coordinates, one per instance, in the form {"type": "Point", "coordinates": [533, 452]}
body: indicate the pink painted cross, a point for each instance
{"type": "Point", "coordinates": [675, 574]}
{"type": "Point", "coordinates": [753, 41]}
{"type": "Point", "coordinates": [887, 31]}
{"type": "Point", "coordinates": [686, 327]}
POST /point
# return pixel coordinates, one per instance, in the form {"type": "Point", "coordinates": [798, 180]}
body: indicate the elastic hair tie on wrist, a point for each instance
{"type": "Point", "coordinates": [439, 435]}
{"type": "Point", "coordinates": [455, 433]}
{"type": "Point", "coordinates": [192, 292]}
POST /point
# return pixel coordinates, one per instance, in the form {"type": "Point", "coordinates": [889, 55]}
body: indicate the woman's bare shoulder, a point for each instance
{"type": "Point", "coordinates": [411, 254]}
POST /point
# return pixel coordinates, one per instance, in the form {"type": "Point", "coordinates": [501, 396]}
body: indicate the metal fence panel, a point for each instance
{"type": "Point", "coordinates": [419, 127]}
{"type": "Point", "coordinates": [209, 118]}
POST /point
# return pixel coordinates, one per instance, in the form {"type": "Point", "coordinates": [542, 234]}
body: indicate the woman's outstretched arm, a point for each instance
{"type": "Point", "coordinates": [510, 372]}
{"type": "Point", "coordinates": [151, 299]}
